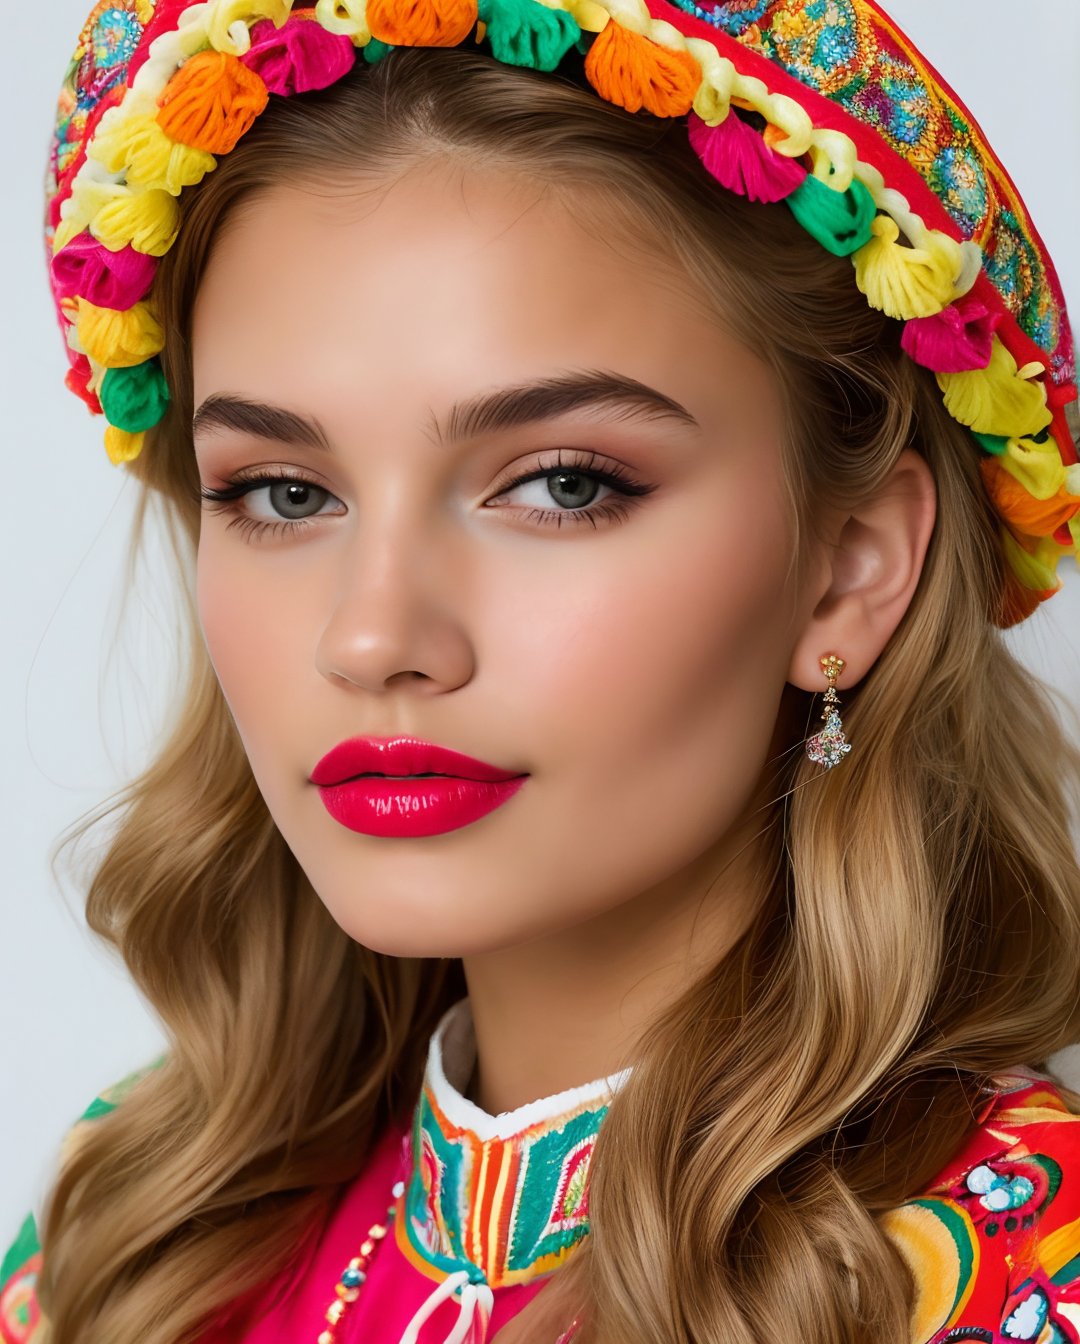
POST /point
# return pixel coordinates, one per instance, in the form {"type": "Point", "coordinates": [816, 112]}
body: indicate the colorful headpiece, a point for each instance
{"type": "Point", "coordinates": [822, 104]}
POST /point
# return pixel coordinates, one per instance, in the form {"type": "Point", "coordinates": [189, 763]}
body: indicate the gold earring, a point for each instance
{"type": "Point", "coordinates": [828, 748]}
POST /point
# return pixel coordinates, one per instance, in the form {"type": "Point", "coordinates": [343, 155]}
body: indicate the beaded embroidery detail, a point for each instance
{"type": "Point", "coordinates": [98, 65]}
{"type": "Point", "coordinates": [855, 56]}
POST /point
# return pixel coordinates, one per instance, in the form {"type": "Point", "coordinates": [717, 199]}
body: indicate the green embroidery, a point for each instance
{"type": "Point", "coordinates": [99, 1106]}
{"type": "Point", "coordinates": [28, 1242]}
{"type": "Point", "coordinates": [549, 1216]}
{"type": "Point", "coordinates": [24, 1246]}
{"type": "Point", "coordinates": [112, 1096]}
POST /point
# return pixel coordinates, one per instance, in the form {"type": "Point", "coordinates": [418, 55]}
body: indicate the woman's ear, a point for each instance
{"type": "Point", "coordinates": [869, 576]}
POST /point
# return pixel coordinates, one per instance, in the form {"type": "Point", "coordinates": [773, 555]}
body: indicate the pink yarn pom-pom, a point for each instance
{"type": "Point", "coordinates": [738, 157]}
{"type": "Point", "coordinates": [956, 340]}
{"type": "Point", "coordinates": [87, 268]}
{"type": "Point", "coordinates": [299, 56]}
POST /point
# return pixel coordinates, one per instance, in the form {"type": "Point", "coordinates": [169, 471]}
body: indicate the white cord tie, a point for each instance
{"type": "Point", "coordinates": [476, 1302]}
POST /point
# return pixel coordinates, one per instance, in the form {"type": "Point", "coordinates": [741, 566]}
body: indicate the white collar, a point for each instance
{"type": "Point", "coordinates": [450, 1062]}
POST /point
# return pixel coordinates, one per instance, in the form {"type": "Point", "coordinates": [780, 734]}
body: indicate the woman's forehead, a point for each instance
{"type": "Point", "coordinates": [444, 281]}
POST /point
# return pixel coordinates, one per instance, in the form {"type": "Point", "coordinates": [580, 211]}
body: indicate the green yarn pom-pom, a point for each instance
{"type": "Point", "coordinates": [134, 399]}
{"type": "Point", "coordinates": [839, 220]}
{"type": "Point", "coordinates": [374, 50]}
{"type": "Point", "coordinates": [991, 443]}
{"type": "Point", "coordinates": [526, 32]}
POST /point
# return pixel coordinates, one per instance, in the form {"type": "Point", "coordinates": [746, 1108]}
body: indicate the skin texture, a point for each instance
{"type": "Point", "coordinates": [634, 669]}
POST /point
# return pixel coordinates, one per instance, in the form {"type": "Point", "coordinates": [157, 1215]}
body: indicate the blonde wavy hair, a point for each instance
{"type": "Point", "coordinates": [919, 911]}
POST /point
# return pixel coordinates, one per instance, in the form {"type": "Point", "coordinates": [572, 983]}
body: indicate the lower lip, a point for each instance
{"type": "Point", "coordinates": [416, 807]}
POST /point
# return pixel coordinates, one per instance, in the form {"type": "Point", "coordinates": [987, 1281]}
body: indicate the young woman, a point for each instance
{"type": "Point", "coordinates": [607, 880]}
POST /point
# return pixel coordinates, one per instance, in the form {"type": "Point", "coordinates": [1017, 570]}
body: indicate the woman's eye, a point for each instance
{"type": "Point", "coordinates": [269, 504]}
{"type": "Point", "coordinates": [567, 489]}
{"type": "Point", "coordinates": [287, 500]}
{"type": "Point", "coordinates": [571, 486]}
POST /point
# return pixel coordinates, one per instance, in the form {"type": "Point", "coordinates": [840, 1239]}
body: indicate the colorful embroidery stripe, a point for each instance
{"type": "Point", "coordinates": [509, 1208]}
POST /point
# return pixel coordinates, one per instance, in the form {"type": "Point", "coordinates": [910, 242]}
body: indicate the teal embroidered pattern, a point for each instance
{"type": "Point", "coordinates": [504, 1198]}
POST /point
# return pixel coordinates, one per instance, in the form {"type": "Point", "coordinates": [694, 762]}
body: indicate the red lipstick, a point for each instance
{"type": "Point", "coordinates": [402, 786]}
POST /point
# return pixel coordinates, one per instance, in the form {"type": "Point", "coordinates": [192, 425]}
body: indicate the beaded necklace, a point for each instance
{"type": "Point", "coordinates": [354, 1274]}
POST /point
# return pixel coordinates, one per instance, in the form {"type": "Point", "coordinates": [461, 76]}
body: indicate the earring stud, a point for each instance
{"type": "Point", "coordinates": [829, 747]}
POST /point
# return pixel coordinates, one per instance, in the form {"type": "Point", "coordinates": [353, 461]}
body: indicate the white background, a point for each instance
{"type": "Point", "coordinates": [80, 705]}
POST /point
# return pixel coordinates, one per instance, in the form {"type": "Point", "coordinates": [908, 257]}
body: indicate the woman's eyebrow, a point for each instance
{"type": "Point", "coordinates": [488, 412]}
{"type": "Point", "coordinates": [559, 394]}
{"type": "Point", "coordinates": [258, 418]}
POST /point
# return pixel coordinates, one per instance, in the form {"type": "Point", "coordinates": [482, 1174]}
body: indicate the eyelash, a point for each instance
{"type": "Point", "coordinates": [225, 500]}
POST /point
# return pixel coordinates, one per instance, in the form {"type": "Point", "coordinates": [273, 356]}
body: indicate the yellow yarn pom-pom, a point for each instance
{"type": "Point", "coordinates": [833, 157]}
{"type": "Point", "coordinates": [345, 16]}
{"type": "Point", "coordinates": [122, 446]}
{"type": "Point", "coordinates": [1000, 399]}
{"type": "Point", "coordinates": [588, 15]}
{"type": "Point", "coordinates": [139, 148]}
{"type": "Point", "coordinates": [1037, 466]}
{"type": "Point", "coordinates": [907, 282]}
{"type": "Point", "coordinates": [66, 230]}
{"type": "Point", "coordinates": [712, 100]}
{"type": "Point", "coordinates": [148, 220]}
{"type": "Point", "coordinates": [228, 22]}
{"type": "Point", "coordinates": [119, 339]}
{"type": "Point", "coordinates": [86, 199]}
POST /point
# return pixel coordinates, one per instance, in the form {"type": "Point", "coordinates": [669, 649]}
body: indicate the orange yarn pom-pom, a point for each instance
{"type": "Point", "coordinates": [1018, 602]}
{"type": "Point", "coordinates": [633, 71]}
{"type": "Point", "coordinates": [421, 23]}
{"type": "Point", "coordinates": [1036, 517]}
{"type": "Point", "coordinates": [211, 101]}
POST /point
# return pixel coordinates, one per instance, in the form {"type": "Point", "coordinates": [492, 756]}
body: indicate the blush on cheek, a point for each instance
{"type": "Point", "coordinates": [691, 676]}
{"type": "Point", "coordinates": [235, 636]}
{"type": "Point", "coordinates": [216, 609]}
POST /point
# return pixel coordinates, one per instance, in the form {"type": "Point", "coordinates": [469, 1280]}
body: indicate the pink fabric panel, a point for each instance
{"type": "Point", "coordinates": [297, 1301]}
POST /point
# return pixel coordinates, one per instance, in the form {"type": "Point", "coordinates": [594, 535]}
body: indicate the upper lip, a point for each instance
{"type": "Point", "coordinates": [400, 756]}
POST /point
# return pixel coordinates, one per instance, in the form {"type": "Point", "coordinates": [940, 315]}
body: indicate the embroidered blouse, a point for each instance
{"type": "Point", "coordinates": [486, 1208]}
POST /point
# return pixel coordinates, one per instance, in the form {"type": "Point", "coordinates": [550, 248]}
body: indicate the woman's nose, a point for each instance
{"type": "Point", "coordinates": [398, 606]}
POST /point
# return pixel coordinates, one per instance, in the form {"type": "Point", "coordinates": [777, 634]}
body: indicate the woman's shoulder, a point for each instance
{"type": "Point", "coordinates": [19, 1269]}
{"type": "Point", "coordinates": [993, 1242]}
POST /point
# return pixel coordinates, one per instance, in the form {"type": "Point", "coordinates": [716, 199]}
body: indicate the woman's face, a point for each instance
{"type": "Point", "coordinates": [625, 653]}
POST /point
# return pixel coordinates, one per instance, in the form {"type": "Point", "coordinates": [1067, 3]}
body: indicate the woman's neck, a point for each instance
{"type": "Point", "coordinates": [568, 1008]}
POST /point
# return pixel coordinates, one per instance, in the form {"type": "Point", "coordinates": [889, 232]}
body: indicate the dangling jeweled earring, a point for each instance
{"type": "Point", "coordinates": [828, 748]}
